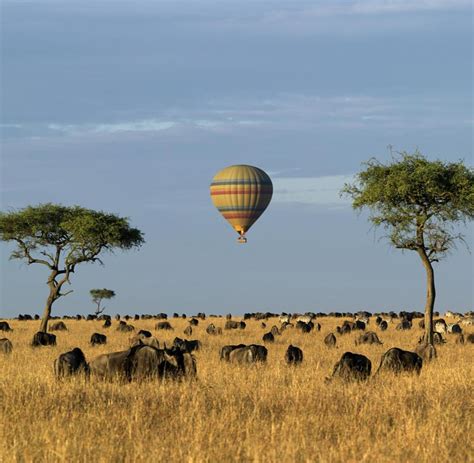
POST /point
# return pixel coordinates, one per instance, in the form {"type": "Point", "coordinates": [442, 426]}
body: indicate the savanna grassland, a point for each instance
{"type": "Point", "coordinates": [261, 413]}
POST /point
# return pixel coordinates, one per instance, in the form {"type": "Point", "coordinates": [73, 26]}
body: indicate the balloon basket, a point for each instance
{"type": "Point", "coordinates": [242, 240]}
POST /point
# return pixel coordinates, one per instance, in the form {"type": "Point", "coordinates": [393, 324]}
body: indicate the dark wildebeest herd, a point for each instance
{"type": "Point", "coordinates": [147, 359]}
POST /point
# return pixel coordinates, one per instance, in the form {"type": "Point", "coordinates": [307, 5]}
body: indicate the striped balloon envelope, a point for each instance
{"type": "Point", "coordinates": [241, 193]}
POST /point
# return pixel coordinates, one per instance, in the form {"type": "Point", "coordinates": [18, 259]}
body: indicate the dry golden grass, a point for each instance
{"type": "Point", "coordinates": [262, 413]}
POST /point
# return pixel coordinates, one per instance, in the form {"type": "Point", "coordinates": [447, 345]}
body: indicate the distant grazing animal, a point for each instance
{"type": "Point", "coordinates": [4, 326]}
{"type": "Point", "coordinates": [194, 322]}
{"type": "Point", "coordinates": [286, 325]}
{"type": "Point", "coordinates": [147, 341]}
{"type": "Point", "coordinates": [383, 325]}
{"type": "Point", "coordinates": [248, 354]}
{"type": "Point", "coordinates": [454, 328]}
{"type": "Point", "coordinates": [304, 318]}
{"type": "Point", "coordinates": [107, 323]}
{"type": "Point", "coordinates": [6, 346]}
{"type": "Point", "coordinates": [144, 334]}
{"type": "Point", "coordinates": [285, 319]}
{"type": "Point", "coordinates": [344, 329]}
{"type": "Point", "coordinates": [226, 350]}
{"type": "Point", "coordinates": [467, 321]}
{"type": "Point", "coordinates": [163, 326]}
{"type": "Point", "coordinates": [112, 365]}
{"type": "Point", "coordinates": [397, 361]}
{"type": "Point", "coordinates": [125, 327]}
{"type": "Point", "coordinates": [330, 340]}
{"type": "Point", "coordinates": [70, 363]}
{"type": "Point", "coordinates": [440, 326]}
{"type": "Point", "coordinates": [359, 325]}
{"type": "Point", "coordinates": [98, 338]}
{"type": "Point", "coordinates": [231, 325]}
{"type": "Point", "coordinates": [378, 320]}
{"type": "Point", "coordinates": [145, 362]}
{"type": "Point", "coordinates": [268, 337]}
{"type": "Point", "coordinates": [470, 338]}
{"type": "Point", "coordinates": [293, 355]}
{"type": "Point", "coordinates": [275, 331]}
{"type": "Point", "coordinates": [303, 326]}
{"type": "Point", "coordinates": [404, 325]}
{"type": "Point", "coordinates": [263, 325]}
{"type": "Point", "coordinates": [43, 339]}
{"type": "Point", "coordinates": [211, 329]}
{"type": "Point", "coordinates": [188, 331]}
{"type": "Point", "coordinates": [242, 325]}
{"type": "Point", "coordinates": [352, 367]}
{"type": "Point", "coordinates": [187, 346]}
{"type": "Point", "coordinates": [437, 338]}
{"type": "Point", "coordinates": [368, 338]}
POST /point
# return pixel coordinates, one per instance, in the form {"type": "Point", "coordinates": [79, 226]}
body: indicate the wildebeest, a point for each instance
{"type": "Point", "coordinates": [58, 326]}
{"type": "Point", "coordinates": [112, 365]}
{"type": "Point", "coordinates": [352, 367]}
{"type": "Point", "coordinates": [440, 326]}
{"type": "Point", "coordinates": [359, 325]}
{"type": "Point", "coordinates": [188, 331]}
{"type": "Point", "coordinates": [303, 326]}
{"type": "Point", "coordinates": [187, 346]}
{"type": "Point", "coordinates": [368, 338]}
{"type": "Point", "coordinates": [383, 325]}
{"type": "Point", "coordinates": [211, 329]}
{"type": "Point", "coordinates": [454, 328]}
{"type": "Point", "coordinates": [144, 334]}
{"type": "Point", "coordinates": [470, 338]}
{"type": "Point", "coordinates": [125, 327]}
{"type": "Point", "coordinates": [6, 346]}
{"type": "Point", "coordinates": [404, 325]}
{"type": "Point", "coordinates": [231, 325]}
{"type": "Point", "coordinates": [4, 326]}
{"type": "Point", "coordinates": [71, 363]}
{"type": "Point", "coordinates": [437, 338]}
{"type": "Point", "coordinates": [242, 325]}
{"type": "Point", "coordinates": [248, 354]}
{"type": "Point", "coordinates": [398, 360]}
{"type": "Point", "coordinates": [194, 322]}
{"type": "Point", "coordinates": [293, 355]}
{"type": "Point", "coordinates": [226, 350]}
{"type": "Point", "coordinates": [107, 323]}
{"type": "Point", "coordinates": [43, 339]}
{"type": "Point", "coordinates": [145, 362]}
{"type": "Point", "coordinates": [330, 340]}
{"type": "Point", "coordinates": [98, 338]}
{"type": "Point", "coordinates": [268, 337]}
{"type": "Point", "coordinates": [275, 331]}
{"type": "Point", "coordinates": [144, 340]}
{"type": "Point", "coordinates": [163, 326]}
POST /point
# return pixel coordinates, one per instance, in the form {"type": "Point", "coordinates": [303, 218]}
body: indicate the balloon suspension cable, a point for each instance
{"type": "Point", "coordinates": [242, 239]}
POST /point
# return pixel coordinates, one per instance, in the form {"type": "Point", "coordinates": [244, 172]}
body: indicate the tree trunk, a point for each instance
{"type": "Point", "coordinates": [430, 296]}
{"type": "Point", "coordinates": [47, 313]}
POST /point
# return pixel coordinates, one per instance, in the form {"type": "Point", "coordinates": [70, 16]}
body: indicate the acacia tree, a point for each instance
{"type": "Point", "coordinates": [98, 295]}
{"type": "Point", "coordinates": [419, 203]}
{"type": "Point", "coordinates": [61, 238]}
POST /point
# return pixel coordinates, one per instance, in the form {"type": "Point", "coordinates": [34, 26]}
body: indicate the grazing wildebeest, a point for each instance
{"type": "Point", "coordinates": [275, 331]}
{"type": "Point", "coordinates": [440, 326]}
{"type": "Point", "coordinates": [194, 322]}
{"type": "Point", "coordinates": [304, 318]}
{"type": "Point", "coordinates": [231, 325]}
{"type": "Point", "coordinates": [211, 329]}
{"type": "Point", "coordinates": [145, 362]}
{"type": "Point", "coordinates": [125, 327]}
{"type": "Point", "coordinates": [43, 339]}
{"type": "Point", "coordinates": [268, 337]}
{"type": "Point", "coordinates": [330, 340]}
{"type": "Point", "coordinates": [112, 365]}
{"type": "Point", "coordinates": [352, 367]}
{"type": "Point", "coordinates": [368, 338]}
{"type": "Point", "coordinates": [437, 338]}
{"type": "Point", "coordinates": [146, 341]}
{"type": "Point", "coordinates": [144, 334]}
{"type": "Point", "coordinates": [263, 325]}
{"type": "Point", "coordinates": [107, 323]}
{"type": "Point", "coordinates": [359, 325]}
{"type": "Point", "coordinates": [242, 325]}
{"type": "Point", "coordinates": [163, 326]}
{"type": "Point", "coordinates": [454, 328]}
{"type": "Point", "coordinates": [378, 320]}
{"type": "Point", "coordinates": [383, 325]}
{"type": "Point", "coordinates": [98, 338]}
{"type": "Point", "coordinates": [187, 346]}
{"type": "Point", "coordinates": [248, 354]}
{"type": "Point", "coordinates": [304, 327]}
{"type": "Point", "coordinates": [470, 338]}
{"type": "Point", "coordinates": [397, 360]}
{"type": "Point", "coordinates": [71, 363]}
{"type": "Point", "coordinates": [226, 350]}
{"type": "Point", "coordinates": [404, 325]}
{"type": "Point", "coordinates": [286, 325]}
{"type": "Point", "coordinates": [6, 346]}
{"type": "Point", "coordinates": [188, 331]}
{"type": "Point", "coordinates": [293, 355]}
{"type": "Point", "coordinates": [58, 326]}
{"type": "Point", "coordinates": [4, 326]}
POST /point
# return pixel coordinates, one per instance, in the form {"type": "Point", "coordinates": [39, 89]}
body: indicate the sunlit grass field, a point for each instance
{"type": "Point", "coordinates": [261, 413]}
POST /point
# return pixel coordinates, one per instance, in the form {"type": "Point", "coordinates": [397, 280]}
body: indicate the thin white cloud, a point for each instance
{"type": "Point", "coordinates": [149, 125]}
{"type": "Point", "coordinates": [320, 191]}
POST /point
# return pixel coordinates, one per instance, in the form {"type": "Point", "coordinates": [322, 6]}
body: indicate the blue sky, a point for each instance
{"type": "Point", "coordinates": [132, 107]}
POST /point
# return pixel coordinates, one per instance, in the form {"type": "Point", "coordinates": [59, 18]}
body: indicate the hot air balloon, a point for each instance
{"type": "Point", "coordinates": [241, 193]}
